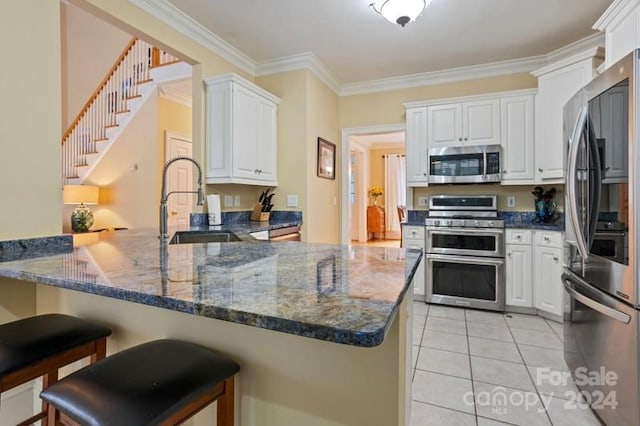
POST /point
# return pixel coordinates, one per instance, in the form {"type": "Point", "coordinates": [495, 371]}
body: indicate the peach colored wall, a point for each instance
{"type": "Point", "coordinates": [90, 46]}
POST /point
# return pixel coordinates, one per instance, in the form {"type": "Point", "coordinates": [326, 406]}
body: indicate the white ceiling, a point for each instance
{"type": "Point", "coordinates": [356, 44]}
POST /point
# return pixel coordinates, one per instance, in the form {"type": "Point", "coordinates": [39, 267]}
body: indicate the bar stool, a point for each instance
{"type": "Point", "coordinates": [161, 382]}
{"type": "Point", "coordinates": [38, 346]}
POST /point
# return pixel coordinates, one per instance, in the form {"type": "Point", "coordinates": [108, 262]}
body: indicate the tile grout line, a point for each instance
{"type": "Point", "coordinates": [473, 388]}
{"type": "Point", "coordinates": [546, 411]}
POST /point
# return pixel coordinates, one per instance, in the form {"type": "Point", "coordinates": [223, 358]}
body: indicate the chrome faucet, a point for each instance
{"type": "Point", "coordinates": [164, 196]}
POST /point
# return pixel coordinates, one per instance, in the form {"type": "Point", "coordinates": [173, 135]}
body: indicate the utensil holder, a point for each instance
{"type": "Point", "coordinates": [257, 215]}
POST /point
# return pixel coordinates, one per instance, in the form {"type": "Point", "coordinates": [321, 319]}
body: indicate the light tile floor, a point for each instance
{"type": "Point", "coordinates": [473, 367]}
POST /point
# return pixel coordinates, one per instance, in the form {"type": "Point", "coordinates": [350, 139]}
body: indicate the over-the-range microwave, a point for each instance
{"type": "Point", "coordinates": [465, 164]}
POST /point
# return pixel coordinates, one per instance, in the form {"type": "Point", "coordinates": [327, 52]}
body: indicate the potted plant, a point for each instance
{"type": "Point", "coordinates": [374, 193]}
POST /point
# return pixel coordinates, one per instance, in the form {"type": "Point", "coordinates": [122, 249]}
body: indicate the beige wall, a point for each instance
{"type": "Point", "coordinates": [324, 204]}
{"type": "Point", "coordinates": [18, 300]}
{"type": "Point", "coordinates": [30, 167]}
{"type": "Point", "coordinates": [90, 46]}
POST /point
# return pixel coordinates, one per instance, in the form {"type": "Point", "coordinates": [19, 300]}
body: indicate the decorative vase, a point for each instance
{"type": "Point", "coordinates": [375, 200]}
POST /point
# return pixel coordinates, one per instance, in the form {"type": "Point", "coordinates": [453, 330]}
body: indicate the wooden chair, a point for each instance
{"type": "Point", "coordinates": [401, 216]}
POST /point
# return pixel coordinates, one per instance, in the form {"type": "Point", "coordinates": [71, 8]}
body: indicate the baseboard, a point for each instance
{"type": "Point", "coordinates": [519, 310]}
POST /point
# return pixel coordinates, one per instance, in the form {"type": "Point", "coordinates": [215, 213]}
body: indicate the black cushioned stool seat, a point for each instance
{"type": "Point", "coordinates": [160, 382]}
{"type": "Point", "coordinates": [39, 346]}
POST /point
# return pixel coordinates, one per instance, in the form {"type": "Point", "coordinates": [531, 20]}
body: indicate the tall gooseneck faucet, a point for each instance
{"type": "Point", "coordinates": [164, 196]}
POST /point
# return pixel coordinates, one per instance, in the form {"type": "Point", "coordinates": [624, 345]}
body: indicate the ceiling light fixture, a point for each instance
{"type": "Point", "coordinates": [400, 12]}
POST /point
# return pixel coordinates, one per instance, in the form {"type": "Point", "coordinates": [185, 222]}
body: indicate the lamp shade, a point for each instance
{"type": "Point", "coordinates": [80, 194]}
{"type": "Point", "coordinates": [400, 12]}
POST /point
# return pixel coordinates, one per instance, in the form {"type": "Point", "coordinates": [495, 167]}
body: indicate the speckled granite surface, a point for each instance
{"type": "Point", "coordinates": [243, 217]}
{"type": "Point", "coordinates": [336, 293]}
{"type": "Point", "coordinates": [31, 247]}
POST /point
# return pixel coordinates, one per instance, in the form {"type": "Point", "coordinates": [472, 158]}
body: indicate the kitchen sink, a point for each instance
{"type": "Point", "coordinates": [191, 237]}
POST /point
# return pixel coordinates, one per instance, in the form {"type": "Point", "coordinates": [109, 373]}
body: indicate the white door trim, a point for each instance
{"type": "Point", "coordinates": [346, 133]}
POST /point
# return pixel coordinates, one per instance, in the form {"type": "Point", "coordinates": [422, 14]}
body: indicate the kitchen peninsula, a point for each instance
{"type": "Point", "coordinates": [322, 332]}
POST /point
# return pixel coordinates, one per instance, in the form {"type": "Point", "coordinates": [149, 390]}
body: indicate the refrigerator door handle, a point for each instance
{"type": "Point", "coordinates": [572, 207]}
{"type": "Point", "coordinates": [603, 309]}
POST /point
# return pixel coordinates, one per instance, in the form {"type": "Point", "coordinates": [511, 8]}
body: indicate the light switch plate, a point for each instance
{"type": "Point", "coordinates": [292, 201]}
{"type": "Point", "coordinates": [423, 201]}
{"type": "Point", "coordinates": [511, 201]}
{"type": "Point", "coordinates": [228, 200]}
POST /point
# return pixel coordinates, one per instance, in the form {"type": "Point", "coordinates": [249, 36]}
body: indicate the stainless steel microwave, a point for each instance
{"type": "Point", "coordinates": [465, 164]}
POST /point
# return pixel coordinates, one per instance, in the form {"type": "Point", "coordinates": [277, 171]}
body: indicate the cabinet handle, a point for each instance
{"type": "Point", "coordinates": [555, 258]}
{"type": "Point", "coordinates": [509, 254]}
{"type": "Point", "coordinates": [460, 139]}
{"type": "Point", "coordinates": [540, 170]}
{"type": "Point", "coordinates": [465, 139]}
{"type": "Point", "coordinates": [518, 237]}
{"type": "Point", "coordinates": [504, 171]}
{"type": "Point", "coordinates": [546, 239]}
{"type": "Point", "coordinates": [424, 174]}
{"type": "Point", "coordinates": [607, 168]}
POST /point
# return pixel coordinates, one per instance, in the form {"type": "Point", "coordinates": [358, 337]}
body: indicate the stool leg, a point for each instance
{"type": "Point", "coordinates": [101, 350]}
{"type": "Point", "coordinates": [47, 380]}
{"type": "Point", "coordinates": [225, 404]}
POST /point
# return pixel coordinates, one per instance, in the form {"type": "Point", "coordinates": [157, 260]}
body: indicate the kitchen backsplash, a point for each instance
{"type": "Point", "coordinates": [522, 193]}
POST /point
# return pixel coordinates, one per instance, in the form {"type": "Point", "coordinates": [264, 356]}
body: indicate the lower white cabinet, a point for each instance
{"type": "Point", "coordinates": [534, 269]}
{"type": "Point", "coordinates": [519, 267]}
{"type": "Point", "coordinates": [413, 237]}
{"type": "Point", "coordinates": [547, 263]}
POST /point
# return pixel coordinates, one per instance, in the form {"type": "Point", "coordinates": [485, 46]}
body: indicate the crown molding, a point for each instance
{"type": "Point", "coordinates": [617, 11]}
{"type": "Point", "coordinates": [175, 18]}
{"type": "Point", "coordinates": [594, 52]}
{"type": "Point", "coordinates": [306, 60]}
{"type": "Point", "coordinates": [443, 76]}
{"type": "Point", "coordinates": [577, 47]}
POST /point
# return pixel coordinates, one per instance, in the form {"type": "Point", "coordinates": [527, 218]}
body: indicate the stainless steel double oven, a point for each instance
{"type": "Point", "coordinates": [465, 263]}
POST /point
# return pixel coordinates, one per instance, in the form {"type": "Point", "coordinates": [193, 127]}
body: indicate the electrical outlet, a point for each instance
{"type": "Point", "coordinates": [423, 201]}
{"type": "Point", "coordinates": [511, 201]}
{"type": "Point", "coordinates": [292, 201]}
{"type": "Point", "coordinates": [228, 200]}
{"type": "Point", "coordinates": [236, 201]}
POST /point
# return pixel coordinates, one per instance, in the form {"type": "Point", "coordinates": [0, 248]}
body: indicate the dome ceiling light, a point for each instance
{"type": "Point", "coordinates": [400, 12]}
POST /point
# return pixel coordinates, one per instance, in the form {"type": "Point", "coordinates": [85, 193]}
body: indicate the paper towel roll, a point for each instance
{"type": "Point", "coordinates": [213, 207]}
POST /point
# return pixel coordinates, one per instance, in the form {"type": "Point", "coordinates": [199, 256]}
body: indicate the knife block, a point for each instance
{"type": "Point", "coordinates": [257, 215]}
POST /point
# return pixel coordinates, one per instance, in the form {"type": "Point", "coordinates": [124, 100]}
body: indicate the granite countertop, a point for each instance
{"type": "Point", "coordinates": [336, 293]}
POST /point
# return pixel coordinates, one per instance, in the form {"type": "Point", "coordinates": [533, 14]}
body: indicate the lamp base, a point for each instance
{"type": "Point", "coordinates": [81, 219]}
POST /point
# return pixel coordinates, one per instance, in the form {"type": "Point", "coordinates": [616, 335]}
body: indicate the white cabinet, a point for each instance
{"type": "Point", "coordinates": [413, 237]}
{"type": "Point", "coordinates": [519, 266]}
{"type": "Point", "coordinates": [557, 83]}
{"type": "Point", "coordinates": [547, 263]}
{"type": "Point", "coordinates": [465, 123]}
{"type": "Point", "coordinates": [416, 146]}
{"type": "Point", "coordinates": [241, 132]}
{"type": "Point", "coordinates": [517, 135]}
{"type": "Point", "coordinates": [621, 25]}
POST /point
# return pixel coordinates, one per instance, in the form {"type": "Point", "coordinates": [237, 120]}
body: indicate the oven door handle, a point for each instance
{"type": "Point", "coordinates": [569, 278]}
{"type": "Point", "coordinates": [474, 260]}
{"type": "Point", "coordinates": [467, 231]}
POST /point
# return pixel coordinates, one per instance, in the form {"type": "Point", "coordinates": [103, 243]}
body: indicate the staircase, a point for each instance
{"type": "Point", "coordinates": [131, 81]}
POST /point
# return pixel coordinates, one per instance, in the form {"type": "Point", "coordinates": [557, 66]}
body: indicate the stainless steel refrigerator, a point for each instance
{"type": "Point", "coordinates": [601, 270]}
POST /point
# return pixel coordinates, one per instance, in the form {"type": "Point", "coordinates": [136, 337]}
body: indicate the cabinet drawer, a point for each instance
{"type": "Point", "coordinates": [549, 239]}
{"type": "Point", "coordinates": [413, 244]}
{"type": "Point", "coordinates": [518, 236]}
{"type": "Point", "coordinates": [413, 232]}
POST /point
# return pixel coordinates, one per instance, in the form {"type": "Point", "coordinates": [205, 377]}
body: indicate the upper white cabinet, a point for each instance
{"type": "Point", "coordinates": [557, 83]}
{"type": "Point", "coordinates": [621, 25]}
{"type": "Point", "coordinates": [464, 123]}
{"type": "Point", "coordinates": [517, 135]}
{"type": "Point", "coordinates": [241, 132]}
{"type": "Point", "coordinates": [416, 146]}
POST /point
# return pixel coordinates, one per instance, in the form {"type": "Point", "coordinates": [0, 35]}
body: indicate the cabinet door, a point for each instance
{"type": "Point", "coordinates": [548, 288]}
{"type": "Point", "coordinates": [416, 146]}
{"type": "Point", "coordinates": [245, 132]}
{"type": "Point", "coordinates": [517, 138]}
{"type": "Point", "coordinates": [418, 278]}
{"type": "Point", "coordinates": [519, 266]}
{"type": "Point", "coordinates": [218, 136]}
{"type": "Point", "coordinates": [266, 142]}
{"type": "Point", "coordinates": [444, 125]}
{"type": "Point", "coordinates": [481, 122]}
{"type": "Point", "coordinates": [555, 90]}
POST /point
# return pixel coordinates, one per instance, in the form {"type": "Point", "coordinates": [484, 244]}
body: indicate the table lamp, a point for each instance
{"type": "Point", "coordinates": [81, 218]}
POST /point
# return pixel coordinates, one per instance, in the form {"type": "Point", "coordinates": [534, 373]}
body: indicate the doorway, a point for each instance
{"type": "Point", "coordinates": [364, 151]}
{"type": "Point", "coordinates": [179, 178]}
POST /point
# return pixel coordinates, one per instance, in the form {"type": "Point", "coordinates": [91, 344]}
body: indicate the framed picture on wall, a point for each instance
{"type": "Point", "coordinates": [326, 159]}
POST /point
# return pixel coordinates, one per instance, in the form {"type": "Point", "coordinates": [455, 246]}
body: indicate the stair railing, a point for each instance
{"type": "Point", "coordinates": [110, 98]}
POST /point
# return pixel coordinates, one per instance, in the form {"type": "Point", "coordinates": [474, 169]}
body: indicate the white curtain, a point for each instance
{"type": "Point", "coordinates": [395, 177]}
